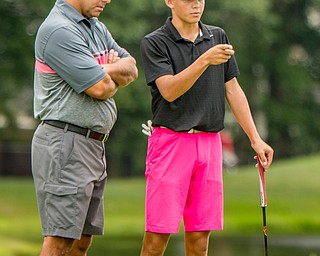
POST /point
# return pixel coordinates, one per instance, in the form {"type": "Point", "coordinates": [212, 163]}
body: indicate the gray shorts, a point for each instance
{"type": "Point", "coordinates": [69, 172]}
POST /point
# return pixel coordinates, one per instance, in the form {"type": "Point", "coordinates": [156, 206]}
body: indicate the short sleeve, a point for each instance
{"type": "Point", "coordinates": [67, 53]}
{"type": "Point", "coordinates": [231, 66]}
{"type": "Point", "coordinates": [156, 61]}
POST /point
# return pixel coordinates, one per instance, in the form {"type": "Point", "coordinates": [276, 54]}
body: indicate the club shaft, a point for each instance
{"type": "Point", "coordinates": [264, 217]}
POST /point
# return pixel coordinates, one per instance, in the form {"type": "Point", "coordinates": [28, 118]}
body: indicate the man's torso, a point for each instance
{"type": "Point", "coordinates": [69, 50]}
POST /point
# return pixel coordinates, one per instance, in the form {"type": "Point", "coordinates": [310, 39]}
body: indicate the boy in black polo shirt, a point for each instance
{"type": "Point", "coordinates": [191, 69]}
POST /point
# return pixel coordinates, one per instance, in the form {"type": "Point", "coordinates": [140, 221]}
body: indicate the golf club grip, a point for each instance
{"type": "Point", "coordinates": [262, 182]}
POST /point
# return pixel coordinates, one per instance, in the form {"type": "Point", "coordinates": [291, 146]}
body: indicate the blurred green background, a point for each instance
{"type": "Point", "coordinates": [277, 49]}
{"type": "Point", "coordinates": [292, 213]}
{"type": "Point", "coordinates": [278, 52]}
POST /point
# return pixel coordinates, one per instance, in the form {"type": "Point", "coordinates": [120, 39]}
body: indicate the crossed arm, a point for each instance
{"type": "Point", "coordinates": [119, 72]}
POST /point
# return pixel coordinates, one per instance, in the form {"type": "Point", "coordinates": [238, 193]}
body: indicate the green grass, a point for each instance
{"type": "Point", "coordinates": [293, 198]}
{"type": "Point", "coordinates": [293, 190]}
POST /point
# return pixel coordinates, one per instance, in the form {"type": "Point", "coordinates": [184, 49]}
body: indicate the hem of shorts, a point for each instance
{"type": "Point", "coordinates": [204, 228]}
{"type": "Point", "coordinates": [93, 232]}
{"type": "Point", "coordinates": [161, 230]}
{"type": "Point", "coordinates": [165, 230]}
{"type": "Point", "coordinates": [62, 233]}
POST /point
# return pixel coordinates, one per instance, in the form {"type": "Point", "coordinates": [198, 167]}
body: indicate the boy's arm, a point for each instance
{"type": "Point", "coordinates": [238, 103]}
{"type": "Point", "coordinates": [172, 87]}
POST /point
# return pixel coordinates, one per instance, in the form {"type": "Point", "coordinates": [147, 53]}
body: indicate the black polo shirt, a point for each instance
{"type": "Point", "coordinates": [202, 107]}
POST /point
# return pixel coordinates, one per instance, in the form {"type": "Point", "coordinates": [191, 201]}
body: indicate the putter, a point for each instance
{"type": "Point", "coordinates": [263, 203]}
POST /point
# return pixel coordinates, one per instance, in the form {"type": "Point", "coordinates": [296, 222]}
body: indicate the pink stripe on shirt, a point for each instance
{"type": "Point", "coordinates": [43, 68]}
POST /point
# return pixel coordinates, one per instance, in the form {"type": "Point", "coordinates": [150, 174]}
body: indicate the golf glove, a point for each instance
{"type": "Point", "coordinates": [147, 129]}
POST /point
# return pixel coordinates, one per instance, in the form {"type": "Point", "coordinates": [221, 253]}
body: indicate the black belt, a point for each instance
{"type": "Point", "coordinates": [77, 129]}
{"type": "Point", "coordinates": [190, 131]}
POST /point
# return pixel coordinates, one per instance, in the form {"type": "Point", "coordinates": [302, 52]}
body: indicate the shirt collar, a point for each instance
{"type": "Point", "coordinates": [204, 33]}
{"type": "Point", "coordinates": [72, 13]}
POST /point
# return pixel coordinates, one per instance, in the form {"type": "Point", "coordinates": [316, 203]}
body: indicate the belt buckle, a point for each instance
{"type": "Point", "coordinates": [105, 137]}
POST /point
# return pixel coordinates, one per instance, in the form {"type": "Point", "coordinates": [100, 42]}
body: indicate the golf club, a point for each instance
{"type": "Point", "coordinates": [263, 203]}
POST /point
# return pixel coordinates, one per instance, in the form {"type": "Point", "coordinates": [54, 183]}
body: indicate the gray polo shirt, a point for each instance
{"type": "Point", "coordinates": [69, 49]}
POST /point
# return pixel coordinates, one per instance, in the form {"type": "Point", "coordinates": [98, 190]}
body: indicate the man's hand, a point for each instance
{"type": "Point", "coordinates": [122, 71]}
{"type": "Point", "coordinates": [113, 56]}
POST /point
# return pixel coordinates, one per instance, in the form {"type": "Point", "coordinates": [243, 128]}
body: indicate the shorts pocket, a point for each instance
{"type": "Point", "coordinates": [40, 140]}
{"type": "Point", "coordinates": [60, 205]}
{"type": "Point", "coordinates": [153, 144]}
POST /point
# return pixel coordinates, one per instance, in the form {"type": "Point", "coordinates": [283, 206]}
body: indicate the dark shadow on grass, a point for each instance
{"type": "Point", "coordinates": [219, 246]}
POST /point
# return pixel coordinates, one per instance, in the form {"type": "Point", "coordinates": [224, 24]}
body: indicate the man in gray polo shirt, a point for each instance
{"type": "Point", "coordinates": [79, 67]}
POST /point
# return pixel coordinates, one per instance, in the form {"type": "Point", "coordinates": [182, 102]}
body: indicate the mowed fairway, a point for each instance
{"type": "Point", "coordinates": [293, 189]}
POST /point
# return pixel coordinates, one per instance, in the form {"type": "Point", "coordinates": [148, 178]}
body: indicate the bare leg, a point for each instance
{"type": "Point", "coordinates": [154, 244]}
{"type": "Point", "coordinates": [56, 246]}
{"type": "Point", "coordinates": [196, 243]}
{"type": "Point", "coordinates": [80, 247]}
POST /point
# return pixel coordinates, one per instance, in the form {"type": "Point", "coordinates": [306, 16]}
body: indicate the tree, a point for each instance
{"type": "Point", "coordinates": [294, 79]}
{"type": "Point", "coordinates": [277, 49]}
{"type": "Point", "coordinates": [20, 21]}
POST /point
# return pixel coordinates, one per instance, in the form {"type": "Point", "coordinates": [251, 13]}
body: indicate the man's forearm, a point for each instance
{"type": "Point", "coordinates": [123, 72]}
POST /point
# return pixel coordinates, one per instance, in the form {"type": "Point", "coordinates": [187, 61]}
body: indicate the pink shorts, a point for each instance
{"type": "Point", "coordinates": [184, 180]}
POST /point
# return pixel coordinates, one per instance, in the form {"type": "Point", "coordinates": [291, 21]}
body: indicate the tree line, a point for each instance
{"type": "Point", "coordinates": [277, 49]}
